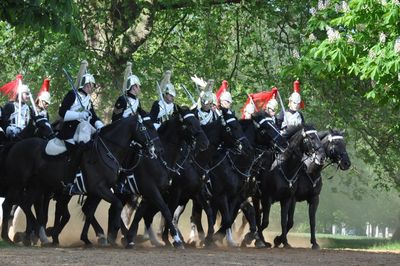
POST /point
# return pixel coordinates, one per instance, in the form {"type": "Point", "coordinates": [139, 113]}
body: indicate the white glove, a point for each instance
{"type": "Point", "coordinates": [85, 115]}
{"type": "Point", "coordinates": [98, 124]}
{"type": "Point", "coordinates": [73, 115]}
{"type": "Point", "coordinates": [12, 131]}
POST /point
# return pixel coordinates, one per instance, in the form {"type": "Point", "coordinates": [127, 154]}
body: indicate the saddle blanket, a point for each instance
{"type": "Point", "coordinates": [55, 146]}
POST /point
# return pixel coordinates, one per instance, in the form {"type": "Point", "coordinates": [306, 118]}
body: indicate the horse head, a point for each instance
{"type": "Point", "coordinates": [265, 129]}
{"type": "Point", "coordinates": [192, 130]}
{"type": "Point", "coordinates": [335, 148]}
{"type": "Point", "coordinates": [233, 135]}
{"type": "Point", "coordinates": [304, 141]}
{"type": "Point", "coordinates": [147, 136]}
{"type": "Point", "coordinates": [44, 129]}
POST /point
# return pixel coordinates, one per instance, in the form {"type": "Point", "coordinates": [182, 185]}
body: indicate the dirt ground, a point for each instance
{"type": "Point", "coordinates": [72, 251]}
{"type": "Point", "coordinates": [190, 256]}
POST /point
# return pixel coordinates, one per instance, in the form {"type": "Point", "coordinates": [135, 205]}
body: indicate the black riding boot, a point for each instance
{"type": "Point", "coordinates": [77, 186]}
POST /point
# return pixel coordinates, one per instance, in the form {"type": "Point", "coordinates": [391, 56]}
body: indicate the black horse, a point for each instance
{"type": "Point", "coordinates": [310, 182]}
{"type": "Point", "coordinates": [192, 181]}
{"type": "Point", "coordinates": [224, 184]}
{"type": "Point", "coordinates": [280, 183]}
{"type": "Point", "coordinates": [38, 126]}
{"type": "Point", "coordinates": [36, 173]}
{"type": "Point", "coordinates": [180, 135]}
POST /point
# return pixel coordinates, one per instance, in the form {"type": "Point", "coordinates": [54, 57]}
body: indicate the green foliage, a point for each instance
{"type": "Point", "coordinates": [352, 64]}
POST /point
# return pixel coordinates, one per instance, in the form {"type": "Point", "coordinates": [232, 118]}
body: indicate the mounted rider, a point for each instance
{"type": "Point", "coordinates": [128, 104]}
{"type": "Point", "coordinates": [80, 121]}
{"type": "Point", "coordinates": [162, 109]}
{"type": "Point", "coordinates": [279, 141]}
{"type": "Point", "coordinates": [204, 111]}
{"type": "Point", "coordinates": [292, 117]}
{"type": "Point", "coordinates": [17, 113]}
{"type": "Point", "coordinates": [42, 101]}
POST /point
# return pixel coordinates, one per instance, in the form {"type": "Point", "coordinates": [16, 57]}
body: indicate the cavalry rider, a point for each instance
{"type": "Point", "coordinates": [271, 108]}
{"type": "Point", "coordinates": [16, 113]}
{"type": "Point", "coordinates": [248, 111]}
{"type": "Point", "coordinates": [42, 101]}
{"type": "Point", "coordinates": [205, 113]}
{"type": "Point", "coordinates": [129, 103]}
{"type": "Point", "coordinates": [77, 109]}
{"type": "Point", "coordinates": [291, 117]}
{"type": "Point", "coordinates": [225, 100]}
{"type": "Point", "coordinates": [164, 108]}
{"type": "Point", "coordinates": [276, 135]}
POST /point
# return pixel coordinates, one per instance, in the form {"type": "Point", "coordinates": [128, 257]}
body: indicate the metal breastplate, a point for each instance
{"type": "Point", "coordinates": [291, 120]}
{"type": "Point", "coordinates": [86, 102]}
{"type": "Point", "coordinates": [166, 110]}
{"type": "Point", "coordinates": [24, 116]}
{"type": "Point", "coordinates": [206, 117]}
{"type": "Point", "coordinates": [131, 106]}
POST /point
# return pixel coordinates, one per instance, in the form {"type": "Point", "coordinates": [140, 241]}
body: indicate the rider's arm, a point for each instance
{"type": "Point", "coordinates": [119, 108]}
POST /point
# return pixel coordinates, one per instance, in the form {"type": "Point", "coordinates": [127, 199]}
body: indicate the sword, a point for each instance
{"type": "Point", "coordinates": [33, 103]}
{"type": "Point", "coordinates": [71, 82]}
{"type": "Point", "coordinates": [283, 107]}
{"type": "Point", "coordinates": [162, 99]}
{"type": "Point", "coordinates": [193, 101]}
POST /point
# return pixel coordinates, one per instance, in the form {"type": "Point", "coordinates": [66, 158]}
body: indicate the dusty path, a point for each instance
{"type": "Point", "coordinates": [170, 256]}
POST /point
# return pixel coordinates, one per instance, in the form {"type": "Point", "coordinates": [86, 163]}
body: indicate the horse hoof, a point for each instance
{"type": "Point", "coordinates": [178, 245]}
{"type": "Point", "coordinates": [316, 247]}
{"type": "Point", "coordinates": [49, 231]}
{"type": "Point", "coordinates": [130, 245]}
{"type": "Point", "coordinates": [287, 246]}
{"type": "Point", "coordinates": [277, 241]}
{"type": "Point", "coordinates": [47, 245]}
{"type": "Point", "coordinates": [18, 237]}
{"type": "Point", "coordinates": [26, 242]}
{"type": "Point", "coordinates": [102, 241]}
{"type": "Point", "coordinates": [248, 238]}
{"type": "Point", "coordinates": [124, 242]}
{"type": "Point", "coordinates": [260, 244]}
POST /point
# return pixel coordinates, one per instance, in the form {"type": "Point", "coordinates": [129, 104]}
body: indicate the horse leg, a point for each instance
{"type": "Point", "coordinates": [249, 213]}
{"type": "Point", "coordinates": [159, 202]}
{"type": "Point", "coordinates": [284, 221]}
{"type": "Point", "coordinates": [290, 221]}
{"type": "Point", "coordinates": [208, 240]}
{"type": "Point", "coordinates": [114, 223]}
{"type": "Point", "coordinates": [196, 229]}
{"type": "Point", "coordinates": [312, 211]}
{"type": "Point", "coordinates": [226, 220]}
{"type": "Point", "coordinates": [89, 208]}
{"type": "Point", "coordinates": [148, 217]}
{"type": "Point", "coordinates": [135, 223]}
{"type": "Point", "coordinates": [7, 207]}
{"type": "Point", "coordinates": [62, 216]}
{"type": "Point", "coordinates": [41, 209]}
{"type": "Point", "coordinates": [32, 224]}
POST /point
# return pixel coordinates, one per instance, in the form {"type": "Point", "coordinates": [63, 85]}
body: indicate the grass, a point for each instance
{"type": "Point", "coordinates": [354, 242]}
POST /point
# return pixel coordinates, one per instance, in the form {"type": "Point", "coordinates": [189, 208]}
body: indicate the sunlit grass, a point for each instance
{"type": "Point", "coordinates": [353, 242]}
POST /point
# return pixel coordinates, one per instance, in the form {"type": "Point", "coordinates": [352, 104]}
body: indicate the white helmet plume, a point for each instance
{"type": "Point", "coordinates": [127, 73]}
{"type": "Point", "coordinates": [166, 79]}
{"type": "Point", "coordinates": [82, 71]}
{"type": "Point", "coordinates": [199, 81]}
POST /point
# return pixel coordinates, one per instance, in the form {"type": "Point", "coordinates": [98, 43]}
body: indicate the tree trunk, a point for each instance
{"type": "Point", "coordinates": [396, 234]}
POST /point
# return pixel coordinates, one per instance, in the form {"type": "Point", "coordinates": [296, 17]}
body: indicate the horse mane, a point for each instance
{"type": "Point", "coordinates": [110, 127]}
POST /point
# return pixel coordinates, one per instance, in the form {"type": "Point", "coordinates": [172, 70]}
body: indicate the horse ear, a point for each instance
{"type": "Point", "coordinates": [322, 134]}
